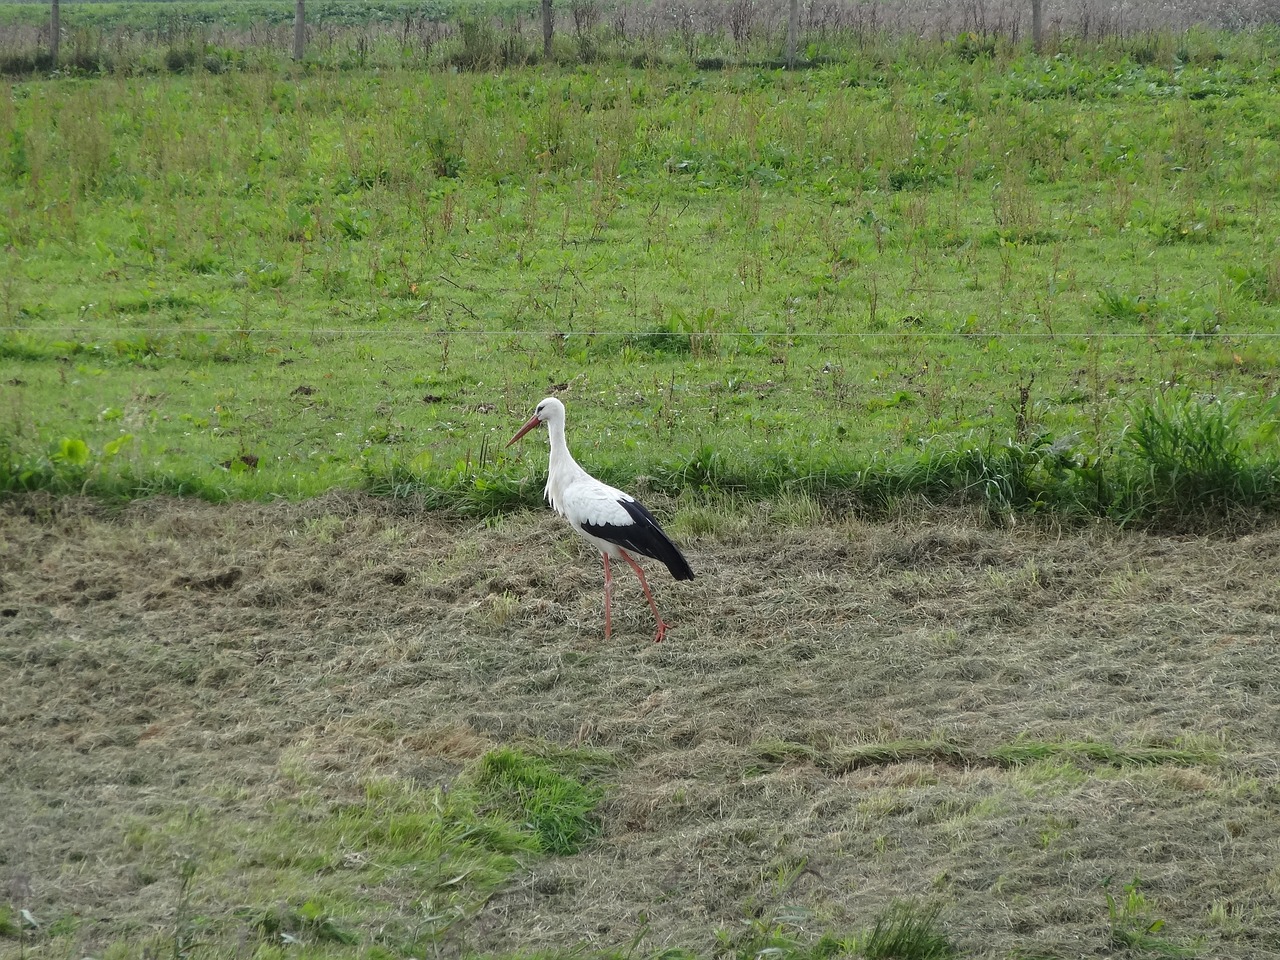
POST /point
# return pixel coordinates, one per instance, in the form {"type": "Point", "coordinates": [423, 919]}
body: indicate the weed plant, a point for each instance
{"type": "Point", "coordinates": [1134, 928]}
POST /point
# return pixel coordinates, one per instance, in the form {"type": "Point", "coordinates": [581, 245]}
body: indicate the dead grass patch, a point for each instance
{"type": "Point", "coordinates": [992, 720]}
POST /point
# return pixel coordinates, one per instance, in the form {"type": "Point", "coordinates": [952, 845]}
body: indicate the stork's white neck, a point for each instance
{"type": "Point", "coordinates": [562, 469]}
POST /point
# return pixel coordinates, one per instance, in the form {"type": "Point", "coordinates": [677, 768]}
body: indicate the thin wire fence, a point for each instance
{"type": "Point", "coordinates": [654, 332]}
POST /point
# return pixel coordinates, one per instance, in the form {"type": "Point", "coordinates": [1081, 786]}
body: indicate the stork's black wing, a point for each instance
{"type": "Point", "coordinates": [643, 535]}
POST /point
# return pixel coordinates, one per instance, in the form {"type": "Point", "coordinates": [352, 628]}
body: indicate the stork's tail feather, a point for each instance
{"type": "Point", "coordinates": [659, 546]}
{"type": "Point", "coordinates": [677, 564]}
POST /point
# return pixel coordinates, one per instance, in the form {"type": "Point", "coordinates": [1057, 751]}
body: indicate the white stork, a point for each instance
{"type": "Point", "coordinates": [613, 521]}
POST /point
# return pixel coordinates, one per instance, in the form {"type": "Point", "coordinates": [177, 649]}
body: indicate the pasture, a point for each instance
{"type": "Point", "coordinates": [953, 369]}
{"type": "Point", "coordinates": [1040, 282]}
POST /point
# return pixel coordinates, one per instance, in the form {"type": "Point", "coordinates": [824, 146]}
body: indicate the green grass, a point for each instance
{"type": "Point", "coordinates": [1005, 279]}
{"type": "Point", "coordinates": [315, 867]}
{"type": "Point", "coordinates": [1086, 755]}
{"type": "Point", "coordinates": [559, 810]}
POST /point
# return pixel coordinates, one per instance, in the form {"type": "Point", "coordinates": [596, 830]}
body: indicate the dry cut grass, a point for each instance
{"type": "Point", "coordinates": [1011, 726]}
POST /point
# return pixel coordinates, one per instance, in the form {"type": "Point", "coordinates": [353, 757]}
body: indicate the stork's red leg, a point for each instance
{"type": "Point", "coordinates": [662, 626]}
{"type": "Point", "coordinates": [608, 595]}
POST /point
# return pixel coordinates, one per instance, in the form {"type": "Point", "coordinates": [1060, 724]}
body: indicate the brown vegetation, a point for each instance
{"type": "Point", "coordinates": [830, 710]}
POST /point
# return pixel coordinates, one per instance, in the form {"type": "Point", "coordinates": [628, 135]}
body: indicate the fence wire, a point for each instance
{"type": "Point", "coordinates": [658, 332]}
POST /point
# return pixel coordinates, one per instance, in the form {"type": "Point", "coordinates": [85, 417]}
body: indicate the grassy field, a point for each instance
{"type": "Point", "coordinates": [952, 368]}
{"type": "Point", "coordinates": [928, 269]}
{"type": "Point", "coordinates": [352, 728]}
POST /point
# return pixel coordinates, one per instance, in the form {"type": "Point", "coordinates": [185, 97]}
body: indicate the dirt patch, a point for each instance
{"type": "Point", "coordinates": [174, 656]}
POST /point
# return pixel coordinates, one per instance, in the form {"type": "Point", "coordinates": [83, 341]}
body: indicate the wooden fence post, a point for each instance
{"type": "Point", "coordinates": [55, 31]}
{"type": "Point", "coordinates": [299, 29]}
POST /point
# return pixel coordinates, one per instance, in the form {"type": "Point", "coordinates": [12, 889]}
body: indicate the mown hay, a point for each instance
{"type": "Point", "coordinates": [995, 720]}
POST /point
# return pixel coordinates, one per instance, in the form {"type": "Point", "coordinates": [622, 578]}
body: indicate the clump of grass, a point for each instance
{"type": "Point", "coordinates": [706, 468]}
{"type": "Point", "coordinates": [898, 751]}
{"type": "Point", "coordinates": [1195, 458]}
{"type": "Point", "coordinates": [1196, 227]}
{"type": "Point", "coordinates": [776, 935]}
{"type": "Point", "coordinates": [906, 931]}
{"type": "Point", "coordinates": [1257, 282]}
{"type": "Point", "coordinates": [310, 921]}
{"type": "Point", "coordinates": [443, 843]}
{"type": "Point", "coordinates": [69, 465]}
{"type": "Point", "coordinates": [557, 809]}
{"type": "Point", "coordinates": [1036, 475]}
{"type": "Point", "coordinates": [332, 864]}
{"type": "Point", "coordinates": [480, 47]}
{"type": "Point", "coordinates": [1122, 307]}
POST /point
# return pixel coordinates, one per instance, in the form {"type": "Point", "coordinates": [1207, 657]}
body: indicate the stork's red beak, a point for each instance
{"type": "Point", "coordinates": [533, 422]}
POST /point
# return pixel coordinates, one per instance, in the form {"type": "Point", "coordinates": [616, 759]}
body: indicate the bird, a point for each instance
{"type": "Point", "coordinates": [612, 521]}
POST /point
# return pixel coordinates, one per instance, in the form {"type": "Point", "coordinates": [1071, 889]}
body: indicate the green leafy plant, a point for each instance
{"type": "Point", "coordinates": [1133, 925]}
{"type": "Point", "coordinates": [71, 451]}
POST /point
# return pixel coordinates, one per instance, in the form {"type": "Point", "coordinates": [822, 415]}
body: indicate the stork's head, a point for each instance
{"type": "Point", "coordinates": [549, 410]}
